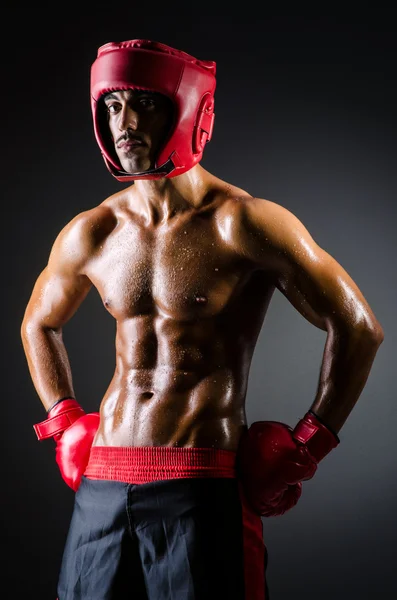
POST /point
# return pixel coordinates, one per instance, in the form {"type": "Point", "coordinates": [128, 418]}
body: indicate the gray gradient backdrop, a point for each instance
{"type": "Point", "coordinates": [306, 117]}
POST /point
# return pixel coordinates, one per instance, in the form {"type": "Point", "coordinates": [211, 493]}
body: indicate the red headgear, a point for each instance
{"type": "Point", "coordinates": [188, 82]}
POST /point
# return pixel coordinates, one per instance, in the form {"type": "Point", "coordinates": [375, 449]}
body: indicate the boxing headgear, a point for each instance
{"type": "Point", "coordinates": [188, 82]}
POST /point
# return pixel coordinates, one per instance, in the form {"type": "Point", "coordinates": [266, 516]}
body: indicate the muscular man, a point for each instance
{"type": "Point", "coordinates": [170, 481]}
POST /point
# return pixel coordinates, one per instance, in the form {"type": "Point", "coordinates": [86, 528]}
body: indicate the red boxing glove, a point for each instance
{"type": "Point", "coordinates": [73, 431]}
{"type": "Point", "coordinates": [273, 460]}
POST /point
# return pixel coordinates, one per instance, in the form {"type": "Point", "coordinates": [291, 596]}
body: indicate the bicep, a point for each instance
{"type": "Point", "coordinates": [62, 285]}
{"type": "Point", "coordinates": [55, 298]}
{"type": "Point", "coordinates": [310, 278]}
{"type": "Point", "coordinates": [319, 288]}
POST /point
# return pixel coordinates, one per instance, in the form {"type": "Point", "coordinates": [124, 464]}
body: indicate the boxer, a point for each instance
{"type": "Point", "coordinates": [171, 482]}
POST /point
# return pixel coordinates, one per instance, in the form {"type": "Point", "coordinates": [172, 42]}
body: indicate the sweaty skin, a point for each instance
{"type": "Point", "coordinates": [187, 268]}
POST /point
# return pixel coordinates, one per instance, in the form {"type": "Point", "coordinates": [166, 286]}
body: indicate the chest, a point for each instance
{"type": "Point", "coordinates": [183, 271]}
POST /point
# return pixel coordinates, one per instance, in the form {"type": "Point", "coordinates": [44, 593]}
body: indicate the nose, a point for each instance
{"type": "Point", "coordinates": [128, 119]}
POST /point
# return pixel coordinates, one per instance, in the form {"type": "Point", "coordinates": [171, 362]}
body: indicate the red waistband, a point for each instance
{"type": "Point", "coordinates": [150, 463]}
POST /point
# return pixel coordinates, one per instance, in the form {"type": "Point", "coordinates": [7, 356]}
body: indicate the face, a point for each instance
{"type": "Point", "coordinates": [139, 122]}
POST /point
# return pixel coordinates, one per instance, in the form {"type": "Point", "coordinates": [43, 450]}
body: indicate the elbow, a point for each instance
{"type": "Point", "coordinates": [24, 329]}
{"type": "Point", "coordinates": [33, 327]}
{"type": "Point", "coordinates": [378, 334]}
{"type": "Point", "coordinates": [366, 332]}
{"type": "Point", "coordinates": [371, 330]}
{"type": "Point", "coordinates": [28, 329]}
{"type": "Point", "coordinates": [371, 333]}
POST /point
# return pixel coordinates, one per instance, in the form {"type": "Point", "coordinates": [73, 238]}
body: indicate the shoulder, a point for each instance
{"type": "Point", "coordinates": [86, 228]}
{"type": "Point", "coordinates": [251, 211]}
{"type": "Point", "coordinates": [251, 215]}
{"type": "Point", "coordinates": [263, 230]}
{"type": "Point", "coordinates": [83, 234]}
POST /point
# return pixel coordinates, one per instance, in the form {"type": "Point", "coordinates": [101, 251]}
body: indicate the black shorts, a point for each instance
{"type": "Point", "coordinates": [174, 538]}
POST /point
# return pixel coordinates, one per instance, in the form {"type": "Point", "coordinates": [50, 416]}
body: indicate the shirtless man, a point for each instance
{"type": "Point", "coordinates": [170, 481]}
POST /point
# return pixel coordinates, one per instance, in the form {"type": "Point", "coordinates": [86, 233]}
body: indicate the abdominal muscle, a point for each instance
{"type": "Point", "coordinates": [190, 403]}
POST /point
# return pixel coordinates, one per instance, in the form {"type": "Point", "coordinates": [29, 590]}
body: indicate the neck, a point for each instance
{"type": "Point", "coordinates": [163, 198]}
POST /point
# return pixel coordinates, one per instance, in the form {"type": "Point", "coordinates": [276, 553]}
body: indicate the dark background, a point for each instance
{"type": "Point", "coordinates": [306, 117]}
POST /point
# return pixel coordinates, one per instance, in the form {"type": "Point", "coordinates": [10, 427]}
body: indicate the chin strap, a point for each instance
{"type": "Point", "coordinates": [162, 171]}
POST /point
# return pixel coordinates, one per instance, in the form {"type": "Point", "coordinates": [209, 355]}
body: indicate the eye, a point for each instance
{"type": "Point", "coordinates": [147, 102]}
{"type": "Point", "coordinates": [112, 108]}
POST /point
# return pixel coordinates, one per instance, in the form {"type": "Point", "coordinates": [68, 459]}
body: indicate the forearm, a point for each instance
{"type": "Point", "coordinates": [347, 362]}
{"type": "Point", "coordinates": [48, 363]}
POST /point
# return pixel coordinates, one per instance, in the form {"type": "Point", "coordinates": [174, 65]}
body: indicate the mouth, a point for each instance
{"type": "Point", "coordinates": [130, 144]}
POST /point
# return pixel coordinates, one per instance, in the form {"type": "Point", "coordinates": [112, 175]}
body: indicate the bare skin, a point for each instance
{"type": "Point", "coordinates": [187, 266]}
{"type": "Point", "coordinates": [138, 122]}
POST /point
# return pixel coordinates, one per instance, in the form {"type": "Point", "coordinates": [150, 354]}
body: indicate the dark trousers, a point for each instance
{"type": "Point", "coordinates": [179, 539]}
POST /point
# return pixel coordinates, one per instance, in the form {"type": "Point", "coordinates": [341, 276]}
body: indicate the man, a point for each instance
{"type": "Point", "coordinates": [170, 481]}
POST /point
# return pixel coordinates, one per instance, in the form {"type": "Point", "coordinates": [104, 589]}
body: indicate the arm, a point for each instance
{"type": "Point", "coordinates": [324, 294]}
{"type": "Point", "coordinates": [57, 294]}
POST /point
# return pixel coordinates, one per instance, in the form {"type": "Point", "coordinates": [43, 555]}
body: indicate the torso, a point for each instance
{"type": "Point", "coordinates": [189, 308]}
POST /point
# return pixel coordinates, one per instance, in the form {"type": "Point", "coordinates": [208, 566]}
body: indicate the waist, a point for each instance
{"type": "Point", "coordinates": [142, 464]}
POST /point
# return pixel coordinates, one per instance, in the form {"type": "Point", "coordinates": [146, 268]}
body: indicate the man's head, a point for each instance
{"type": "Point", "coordinates": [139, 122]}
{"type": "Point", "coordinates": [153, 108]}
